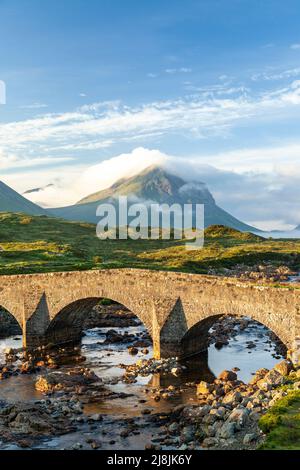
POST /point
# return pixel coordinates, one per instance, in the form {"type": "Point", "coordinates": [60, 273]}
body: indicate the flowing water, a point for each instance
{"type": "Point", "coordinates": [104, 360]}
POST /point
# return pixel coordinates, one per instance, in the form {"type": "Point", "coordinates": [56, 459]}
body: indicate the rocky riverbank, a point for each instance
{"type": "Point", "coordinates": [257, 272]}
{"type": "Point", "coordinates": [227, 412]}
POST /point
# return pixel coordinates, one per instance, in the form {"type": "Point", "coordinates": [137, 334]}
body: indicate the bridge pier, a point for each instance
{"type": "Point", "coordinates": [34, 330]}
{"type": "Point", "coordinates": [167, 339]}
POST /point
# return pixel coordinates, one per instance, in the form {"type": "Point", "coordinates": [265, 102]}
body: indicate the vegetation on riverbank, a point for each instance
{"type": "Point", "coordinates": [282, 424]}
{"type": "Point", "coordinates": [31, 244]}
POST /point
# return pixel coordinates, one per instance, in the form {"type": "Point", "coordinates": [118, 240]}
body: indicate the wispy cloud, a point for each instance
{"type": "Point", "coordinates": [34, 106]}
{"type": "Point", "coordinates": [178, 70]}
{"type": "Point", "coordinates": [295, 46]}
{"type": "Point", "coordinates": [272, 74]}
{"type": "Point", "coordinates": [9, 162]}
{"type": "Point", "coordinates": [208, 112]}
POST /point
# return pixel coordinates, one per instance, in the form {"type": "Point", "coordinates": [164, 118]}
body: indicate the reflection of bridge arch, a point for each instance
{"type": "Point", "coordinates": [169, 304]}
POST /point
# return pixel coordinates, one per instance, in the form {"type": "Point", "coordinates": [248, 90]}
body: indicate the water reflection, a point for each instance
{"type": "Point", "coordinates": [105, 361]}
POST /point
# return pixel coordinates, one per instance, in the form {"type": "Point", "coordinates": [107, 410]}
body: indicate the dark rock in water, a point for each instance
{"type": "Point", "coordinates": [133, 351]}
{"type": "Point", "coordinates": [55, 381]}
{"type": "Point", "coordinates": [220, 343]}
{"type": "Point", "coordinates": [228, 375]}
{"type": "Point", "coordinates": [113, 336]}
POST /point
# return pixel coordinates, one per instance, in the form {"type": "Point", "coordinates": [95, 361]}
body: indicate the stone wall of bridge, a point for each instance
{"type": "Point", "coordinates": [169, 304]}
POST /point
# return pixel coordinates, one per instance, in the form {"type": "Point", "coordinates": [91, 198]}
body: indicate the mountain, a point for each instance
{"type": "Point", "coordinates": [158, 186]}
{"type": "Point", "coordinates": [11, 201]}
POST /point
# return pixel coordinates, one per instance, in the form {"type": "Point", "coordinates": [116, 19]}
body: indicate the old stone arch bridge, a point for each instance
{"type": "Point", "coordinates": [177, 308]}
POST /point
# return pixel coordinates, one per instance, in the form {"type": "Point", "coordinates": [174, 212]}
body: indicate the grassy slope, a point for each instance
{"type": "Point", "coordinates": [37, 244]}
{"type": "Point", "coordinates": [282, 424]}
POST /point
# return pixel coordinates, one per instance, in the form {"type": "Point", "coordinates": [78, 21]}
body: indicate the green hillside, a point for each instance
{"type": "Point", "coordinates": [39, 244]}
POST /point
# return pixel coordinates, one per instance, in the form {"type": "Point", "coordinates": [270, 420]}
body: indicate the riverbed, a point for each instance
{"type": "Point", "coordinates": [105, 359]}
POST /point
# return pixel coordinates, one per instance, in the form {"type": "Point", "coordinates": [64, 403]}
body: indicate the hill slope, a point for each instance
{"type": "Point", "coordinates": [153, 185]}
{"type": "Point", "coordinates": [42, 244]}
{"type": "Point", "coordinates": [11, 201]}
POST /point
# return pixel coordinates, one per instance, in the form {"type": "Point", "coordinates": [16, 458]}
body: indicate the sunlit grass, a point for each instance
{"type": "Point", "coordinates": [38, 244]}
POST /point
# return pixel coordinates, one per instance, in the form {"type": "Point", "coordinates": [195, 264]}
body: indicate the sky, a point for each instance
{"type": "Point", "coordinates": [100, 89]}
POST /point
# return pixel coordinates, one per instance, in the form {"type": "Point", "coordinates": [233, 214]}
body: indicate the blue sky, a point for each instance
{"type": "Point", "coordinates": [197, 82]}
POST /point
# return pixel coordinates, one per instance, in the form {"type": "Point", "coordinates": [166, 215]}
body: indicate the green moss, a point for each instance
{"type": "Point", "coordinates": [106, 302]}
{"type": "Point", "coordinates": [282, 424]}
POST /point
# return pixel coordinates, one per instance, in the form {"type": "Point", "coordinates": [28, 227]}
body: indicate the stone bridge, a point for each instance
{"type": "Point", "coordinates": [177, 308]}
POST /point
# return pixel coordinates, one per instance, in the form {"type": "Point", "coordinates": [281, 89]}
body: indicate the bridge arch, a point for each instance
{"type": "Point", "coordinates": [67, 324]}
{"type": "Point", "coordinates": [9, 324]}
{"type": "Point", "coordinates": [196, 338]}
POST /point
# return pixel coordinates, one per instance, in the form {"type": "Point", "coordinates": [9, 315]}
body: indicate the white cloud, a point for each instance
{"type": "Point", "coordinates": [264, 191]}
{"type": "Point", "coordinates": [295, 46]}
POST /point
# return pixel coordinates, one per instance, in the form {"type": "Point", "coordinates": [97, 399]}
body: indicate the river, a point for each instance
{"type": "Point", "coordinates": [105, 359]}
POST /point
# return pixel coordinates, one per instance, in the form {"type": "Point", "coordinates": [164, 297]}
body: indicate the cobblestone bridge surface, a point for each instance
{"type": "Point", "coordinates": [177, 308]}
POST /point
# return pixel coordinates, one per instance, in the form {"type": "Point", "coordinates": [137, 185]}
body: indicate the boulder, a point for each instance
{"type": "Point", "coordinates": [232, 397]}
{"type": "Point", "coordinates": [228, 375]}
{"type": "Point", "coordinates": [250, 438]}
{"type": "Point", "coordinates": [284, 367]}
{"type": "Point", "coordinates": [112, 336]}
{"type": "Point", "coordinates": [239, 417]}
{"type": "Point", "coordinates": [133, 351]}
{"type": "Point", "coordinates": [227, 430]}
{"type": "Point", "coordinates": [173, 428]}
{"type": "Point", "coordinates": [259, 374]}
{"type": "Point", "coordinates": [55, 381]}
{"type": "Point", "coordinates": [274, 378]}
{"type": "Point", "coordinates": [210, 442]}
{"type": "Point", "coordinates": [204, 388]}
{"type": "Point", "coordinates": [187, 434]}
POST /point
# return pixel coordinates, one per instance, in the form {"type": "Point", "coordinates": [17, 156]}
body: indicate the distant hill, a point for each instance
{"type": "Point", "coordinates": [11, 201]}
{"type": "Point", "coordinates": [157, 186]}
{"type": "Point", "coordinates": [219, 231]}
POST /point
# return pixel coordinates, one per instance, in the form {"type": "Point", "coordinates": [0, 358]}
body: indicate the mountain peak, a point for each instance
{"type": "Point", "coordinates": [156, 184]}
